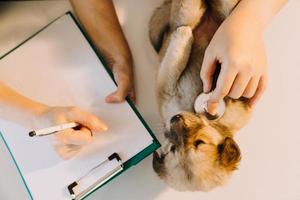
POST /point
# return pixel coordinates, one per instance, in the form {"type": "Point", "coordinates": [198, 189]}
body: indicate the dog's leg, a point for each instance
{"type": "Point", "coordinates": [174, 55]}
{"type": "Point", "coordinates": [174, 60]}
{"type": "Point", "coordinates": [159, 24]}
{"type": "Point", "coordinates": [174, 13]}
{"type": "Point", "coordinates": [173, 63]}
{"type": "Point", "coordinates": [186, 13]}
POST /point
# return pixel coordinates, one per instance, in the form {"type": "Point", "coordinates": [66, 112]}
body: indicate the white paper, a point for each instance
{"type": "Point", "coordinates": [58, 67]}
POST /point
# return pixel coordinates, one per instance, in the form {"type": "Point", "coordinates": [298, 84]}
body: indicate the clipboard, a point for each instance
{"type": "Point", "coordinates": [112, 159]}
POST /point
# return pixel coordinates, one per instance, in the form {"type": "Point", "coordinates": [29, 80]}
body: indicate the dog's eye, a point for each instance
{"type": "Point", "coordinates": [198, 142]}
{"type": "Point", "coordinates": [173, 148]}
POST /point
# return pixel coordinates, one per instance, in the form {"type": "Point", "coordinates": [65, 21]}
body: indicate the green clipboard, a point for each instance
{"type": "Point", "coordinates": [126, 165]}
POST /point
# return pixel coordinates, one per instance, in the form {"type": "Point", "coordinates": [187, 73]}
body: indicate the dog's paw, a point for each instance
{"type": "Point", "coordinates": [184, 31]}
{"type": "Point", "coordinates": [181, 40]}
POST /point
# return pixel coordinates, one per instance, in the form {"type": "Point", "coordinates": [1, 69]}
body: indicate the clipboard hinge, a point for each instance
{"type": "Point", "coordinates": [72, 186]}
{"type": "Point", "coordinates": [71, 189]}
{"type": "Point", "coordinates": [114, 156]}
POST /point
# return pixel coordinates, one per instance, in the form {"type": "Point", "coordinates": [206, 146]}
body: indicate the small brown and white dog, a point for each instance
{"type": "Point", "coordinates": [200, 154]}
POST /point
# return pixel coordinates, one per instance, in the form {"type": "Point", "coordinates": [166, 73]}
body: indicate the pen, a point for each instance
{"type": "Point", "coordinates": [53, 129]}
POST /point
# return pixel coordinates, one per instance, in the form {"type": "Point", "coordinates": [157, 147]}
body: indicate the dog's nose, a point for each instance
{"type": "Point", "coordinates": [176, 118]}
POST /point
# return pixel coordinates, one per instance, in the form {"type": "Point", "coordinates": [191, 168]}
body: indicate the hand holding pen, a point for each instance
{"type": "Point", "coordinates": [69, 140]}
{"type": "Point", "coordinates": [72, 129]}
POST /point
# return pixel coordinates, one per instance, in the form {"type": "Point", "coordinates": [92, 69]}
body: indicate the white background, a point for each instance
{"type": "Point", "coordinates": [270, 143]}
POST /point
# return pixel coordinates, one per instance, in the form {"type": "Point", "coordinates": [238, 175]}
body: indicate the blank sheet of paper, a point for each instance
{"type": "Point", "coordinates": [58, 67]}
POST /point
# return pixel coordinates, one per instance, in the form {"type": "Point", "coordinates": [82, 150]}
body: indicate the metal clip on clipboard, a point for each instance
{"type": "Point", "coordinates": [80, 194]}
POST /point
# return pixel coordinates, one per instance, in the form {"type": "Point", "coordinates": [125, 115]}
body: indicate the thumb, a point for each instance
{"type": "Point", "coordinates": [212, 107]}
{"type": "Point", "coordinates": [207, 70]}
{"type": "Point", "coordinates": [122, 91]}
{"type": "Point", "coordinates": [117, 96]}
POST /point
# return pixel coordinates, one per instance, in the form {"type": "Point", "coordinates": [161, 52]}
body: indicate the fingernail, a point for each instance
{"type": "Point", "coordinates": [204, 88]}
{"type": "Point", "coordinates": [212, 108]}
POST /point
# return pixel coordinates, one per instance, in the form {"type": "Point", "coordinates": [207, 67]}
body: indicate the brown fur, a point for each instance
{"type": "Point", "coordinates": [200, 153]}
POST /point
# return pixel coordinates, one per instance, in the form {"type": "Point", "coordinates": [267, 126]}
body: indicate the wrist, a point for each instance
{"type": "Point", "coordinates": [124, 59]}
{"type": "Point", "coordinates": [119, 58]}
{"type": "Point", "coordinates": [257, 13]}
{"type": "Point", "coordinates": [240, 26]}
{"type": "Point", "coordinates": [38, 109]}
{"type": "Point", "coordinates": [247, 16]}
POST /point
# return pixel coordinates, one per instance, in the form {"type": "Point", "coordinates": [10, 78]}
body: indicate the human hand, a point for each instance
{"type": "Point", "coordinates": [70, 141]}
{"type": "Point", "coordinates": [239, 48]}
{"type": "Point", "coordinates": [111, 42]}
{"type": "Point", "coordinates": [123, 74]}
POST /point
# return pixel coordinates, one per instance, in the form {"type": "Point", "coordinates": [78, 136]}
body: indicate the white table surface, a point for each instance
{"type": "Point", "coordinates": [270, 143]}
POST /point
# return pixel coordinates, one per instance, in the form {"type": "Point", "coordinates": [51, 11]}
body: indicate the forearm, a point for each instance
{"type": "Point", "coordinates": [255, 13]}
{"type": "Point", "coordinates": [100, 20]}
{"type": "Point", "coordinates": [11, 100]}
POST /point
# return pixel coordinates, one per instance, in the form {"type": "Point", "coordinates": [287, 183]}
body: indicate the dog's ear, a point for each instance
{"type": "Point", "coordinates": [159, 24]}
{"type": "Point", "coordinates": [237, 114]}
{"type": "Point", "coordinates": [229, 154]}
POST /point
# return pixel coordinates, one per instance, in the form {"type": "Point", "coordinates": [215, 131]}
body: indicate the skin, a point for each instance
{"type": "Point", "coordinates": [109, 39]}
{"type": "Point", "coordinates": [100, 20]}
{"type": "Point", "coordinates": [243, 61]}
{"type": "Point", "coordinates": [67, 141]}
{"type": "Point", "coordinates": [199, 153]}
{"type": "Point", "coordinates": [240, 74]}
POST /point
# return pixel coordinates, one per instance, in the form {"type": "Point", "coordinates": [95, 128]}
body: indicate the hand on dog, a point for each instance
{"type": "Point", "coordinates": [70, 141]}
{"type": "Point", "coordinates": [239, 48]}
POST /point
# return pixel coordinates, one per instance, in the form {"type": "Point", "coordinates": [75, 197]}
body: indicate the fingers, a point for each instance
{"type": "Point", "coordinates": [117, 96]}
{"type": "Point", "coordinates": [224, 83]}
{"type": "Point", "coordinates": [125, 88]}
{"type": "Point", "coordinates": [67, 151]}
{"type": "Point", "coordinates": [69, 141]}
{"type": "Point", "coordinates": [233, 81]}
{"type": "Point", "coordinates": [259, 91]}
{"type": "Point", "coordinates": [207, 71]}
{"type": "Point", "coordinates": [251, 87]}
{"type": "Point", "coordinates": [70, 136]}
{"type": "Point", "coordinates": [88, 120]}
{"type": "Point", "coordinates": [239, 85]}
{"type": "Point", "coordinates": [123, 74]}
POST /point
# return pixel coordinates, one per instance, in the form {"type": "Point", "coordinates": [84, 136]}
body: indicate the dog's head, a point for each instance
{"type": "Point", "coordinates": [200, 153]}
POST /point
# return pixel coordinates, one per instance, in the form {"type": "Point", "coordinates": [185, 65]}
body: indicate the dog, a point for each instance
{"type": "Point", "coordinates": [200, 153]}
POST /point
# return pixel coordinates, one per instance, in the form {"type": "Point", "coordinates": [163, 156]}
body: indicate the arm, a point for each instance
{"type": "Point", "coordinates": [18, 108]}
{"type": "Point", "coordinates": [256, 12]}
{"type": "Point", "coordinates": [238, 45]}
{"type": "Point", "coordinates": [100, 20]}
{"type": "Point", "coordinates": [9, 98]}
